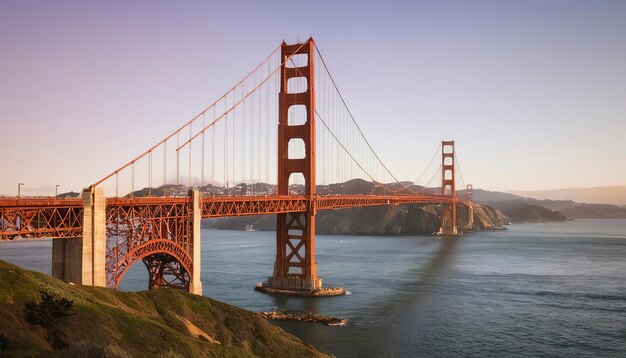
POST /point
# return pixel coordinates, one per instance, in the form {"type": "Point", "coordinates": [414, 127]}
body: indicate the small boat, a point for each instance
{"type": "Point", "coordinates": [249, 228]}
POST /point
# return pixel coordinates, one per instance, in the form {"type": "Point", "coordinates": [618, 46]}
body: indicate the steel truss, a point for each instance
{"type": "Point", "coordinates": [157, 230]}
{"type": "Point", "coordinates": [54, 218]}
{"type": "Point", "coordinates": [45, 217]}
{"type": "Point", "coordinates": [154, 230]}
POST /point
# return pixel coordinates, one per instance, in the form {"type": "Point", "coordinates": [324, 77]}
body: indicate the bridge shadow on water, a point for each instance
{"type": "Point", "coordinates": [410, 300]}
{"type": "Point", "coordinates": [379, 317]}
{"type": "Point", "coordinates": [422, 278]}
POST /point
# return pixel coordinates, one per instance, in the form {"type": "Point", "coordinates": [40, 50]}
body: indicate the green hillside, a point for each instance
{"type": "Point", "coordinates": [158, 323]}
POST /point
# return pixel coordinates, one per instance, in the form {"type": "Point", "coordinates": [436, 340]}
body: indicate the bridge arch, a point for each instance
{"type": "Point", "coordinates": [168, 264]}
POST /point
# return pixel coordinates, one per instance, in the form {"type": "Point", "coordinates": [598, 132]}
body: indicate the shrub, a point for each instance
{"type": "Point", "coordinates": [49, 314]}
{"type": "Point", "coordinates": [4, 342]}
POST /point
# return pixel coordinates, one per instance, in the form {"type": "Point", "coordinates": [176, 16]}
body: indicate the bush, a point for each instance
{"type": "Point", "coordinates": [96, 350]}
{"type": "Point", "coordinates": [4, 342]}
{"type": "Point", "coordinates": [49, 314]}
{"type": "Point", "coordinates": [171, 354]}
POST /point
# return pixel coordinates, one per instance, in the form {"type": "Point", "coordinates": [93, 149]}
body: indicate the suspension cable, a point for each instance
{"type": "Point", "coordinates": [351, 116]}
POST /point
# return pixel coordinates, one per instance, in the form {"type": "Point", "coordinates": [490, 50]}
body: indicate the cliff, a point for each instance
{"type": "Point", "coordinates": [570, 209]}
{"type": "Point", "coordinates": [107, 323]}
{"type": "Point", "coordinates": [534, 213]}
{"type": "Point", "coordinates": [382, 220]}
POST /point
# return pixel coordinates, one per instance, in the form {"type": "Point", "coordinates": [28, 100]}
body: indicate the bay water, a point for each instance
{"type": "Point", "coordinates": [555, 289]}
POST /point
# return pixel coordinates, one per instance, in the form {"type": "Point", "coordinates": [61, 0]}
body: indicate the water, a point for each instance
{"type": "Point", "coordinates": [536, 289]}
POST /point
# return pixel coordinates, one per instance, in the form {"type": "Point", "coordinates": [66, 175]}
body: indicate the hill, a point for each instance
{"type": "Point", "coordinates": [409, 219]}
{"type": "Point", "coordinates": [157, 323]}
{"type": "Point", "coordinates": [382, 220]}
{"type": "Point", "coordinates": [533, 213]}
{"type": "Point", "coordinates": [571, 209]}
{"type": "Point", "coordinates": [615, 195]}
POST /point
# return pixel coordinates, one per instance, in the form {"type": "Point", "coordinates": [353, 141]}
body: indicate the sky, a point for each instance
{"type": "Point", "coordinates": [532, 92]}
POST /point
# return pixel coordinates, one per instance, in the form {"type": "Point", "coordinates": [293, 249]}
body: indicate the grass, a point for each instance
{"type": "Point", "coordinates": [109, 323]}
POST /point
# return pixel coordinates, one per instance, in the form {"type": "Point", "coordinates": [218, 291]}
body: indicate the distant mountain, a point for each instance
{"type": "Point", "coordinates": [69, 194]}
{"type": "Point", "coordinates": [409, 219]}
{"type": "Point", "coordinates": [533, 213]}
{"type": "Point", "coordinates": [351, 187]}
{"type": "Point", "coordinates": [507, 202]}
{"type": "Point", "coordinates": [615, 195]}
{"type": "Point", "coordinates": [382, 220]}
{"type": "Point", "coordinates": [481, 195]}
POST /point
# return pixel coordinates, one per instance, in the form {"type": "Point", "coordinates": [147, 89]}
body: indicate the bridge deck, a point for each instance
{"type": "Point", "coordinates": [62, 218]}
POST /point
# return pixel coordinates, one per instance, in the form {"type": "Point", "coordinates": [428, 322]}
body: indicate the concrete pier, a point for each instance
{"type": "Point", "coordinates": [294, 284]}
{"type": "Point", "coordinates": [195, 284]}
{"type": "Point", "coordinates": [82, 260]}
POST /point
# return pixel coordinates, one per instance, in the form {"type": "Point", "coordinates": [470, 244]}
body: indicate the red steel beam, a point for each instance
{"type": "Point", "coordinates": [62, 218]}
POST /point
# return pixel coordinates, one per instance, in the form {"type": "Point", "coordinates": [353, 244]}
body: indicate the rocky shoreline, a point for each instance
{"type": "Point", "coordinates": [303, 317]}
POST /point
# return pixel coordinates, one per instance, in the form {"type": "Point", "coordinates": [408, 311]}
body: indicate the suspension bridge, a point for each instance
{"type": "Point", "coordinates": [288, 110]}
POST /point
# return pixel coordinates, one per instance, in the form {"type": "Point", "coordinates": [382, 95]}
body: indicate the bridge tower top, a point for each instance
{"type": "Point", "coordinates": [469, 192]}
{"type": "Point", "coordinates": [295, 268]}
{"type": "Point", "coordinates": [288, 131]}
{"type": "Point", "coordinates": [447, 168]}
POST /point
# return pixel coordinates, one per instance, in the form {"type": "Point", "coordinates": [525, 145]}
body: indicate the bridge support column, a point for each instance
{"type": "Point", "coordinates": [448, 217]}
{"type": "Point", "coordinates": [295, 269]}
{"type": "Point", "coordinates": [82, 260]}
{"type": "Point", "coordinates": [469, 196]}
{"type": "Point", "coordinates": [195, 283]}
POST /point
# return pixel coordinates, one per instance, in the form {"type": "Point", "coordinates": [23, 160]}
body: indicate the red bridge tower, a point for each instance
{"type": "Point", "coordinates": [448, 217]}
{"type": "Point", "coordinates": [295, 267]}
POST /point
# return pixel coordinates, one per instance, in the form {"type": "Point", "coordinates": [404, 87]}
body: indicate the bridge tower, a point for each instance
{"type": "Point", "coordinates": [448, 188]}
{"type": "Point", "coordinates": [469, 192]}
{"type": "Point", "coordinates": [469, 196]}
{"type": "Point", "coordinates": [295, 268]}
{"type": "Point", "coordinates": [82, 260]}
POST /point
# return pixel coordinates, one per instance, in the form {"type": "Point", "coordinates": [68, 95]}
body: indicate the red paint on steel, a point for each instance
{"type": "Point", "coordinates": [448, 188]}
{"type": "Point", "coordinates": [295, 230]}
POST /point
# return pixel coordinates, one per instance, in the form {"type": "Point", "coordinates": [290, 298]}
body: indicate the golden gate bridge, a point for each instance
{"type": "Point", "coordinates": [218, 165]}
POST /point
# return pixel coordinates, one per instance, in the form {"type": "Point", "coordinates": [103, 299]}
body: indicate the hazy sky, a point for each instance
{"type": "Point", "coordinates": [533, 92]}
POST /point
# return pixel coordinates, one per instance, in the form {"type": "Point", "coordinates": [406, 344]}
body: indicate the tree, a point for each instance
{"type": "Point", "coordinates": [4, 342]}
{"type": "Point", "coordinates": [49, 314]}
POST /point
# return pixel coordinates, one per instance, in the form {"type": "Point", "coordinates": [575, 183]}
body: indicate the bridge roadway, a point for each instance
{"type": "Point", "coordinates": [63, 218]}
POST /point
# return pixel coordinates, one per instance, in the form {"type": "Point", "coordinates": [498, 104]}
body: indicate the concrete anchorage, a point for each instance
{"type": "Point", "coordinates": [195, 283]}
{"type": "Point", "coordinates": [82, 260]}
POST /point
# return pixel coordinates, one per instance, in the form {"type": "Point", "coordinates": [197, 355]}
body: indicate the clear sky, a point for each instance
{"type": "Point", "coordinates": [533, 92]}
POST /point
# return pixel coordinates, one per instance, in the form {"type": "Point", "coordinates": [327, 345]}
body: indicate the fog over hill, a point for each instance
{"type": "Point", "coordinates": [571, 209]}
{"type": "Point", "coordinates": [615, 194]}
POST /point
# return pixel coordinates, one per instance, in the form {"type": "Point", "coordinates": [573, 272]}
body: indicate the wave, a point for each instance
{"type": "Point", "coordinates": [583, 295]}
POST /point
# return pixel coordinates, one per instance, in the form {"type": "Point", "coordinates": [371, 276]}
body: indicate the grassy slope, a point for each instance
{"type": "Point", "coordinates": [141, 324]}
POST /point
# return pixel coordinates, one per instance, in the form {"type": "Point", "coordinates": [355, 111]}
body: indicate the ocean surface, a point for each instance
{"type": "Point", "coordinates": [532, 290]}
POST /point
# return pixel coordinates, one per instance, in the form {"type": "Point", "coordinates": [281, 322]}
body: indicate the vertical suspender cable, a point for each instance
{"type": "Point", "coordinates": [132, 189]}
{"type": "Point", "coordinates": [150, 174]}
{"type": "Point", "coordinates": [177, 159]}
{"type": "Point", "coordinates": [233, 136]}
{"type": "Point", "coordinates": [203, 144]}
{"type": "Point", "coordinates": [251, 158]}
{"type": "Point", "coordinates": [226, 145]}
{"type": "Point", "coordinates": [190, 147]}
{"type": "Point", "coordinates": [165, 167]}
{"type": "Point", "coordinates": [213, 153]}
{"type": "Point", "coordinates": [267, 128]}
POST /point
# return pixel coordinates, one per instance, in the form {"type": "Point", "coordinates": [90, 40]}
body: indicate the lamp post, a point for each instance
{"type": "Point", "coordinates": [19, 189]}
{"type": "Point", "coordinates": [56, 191]}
